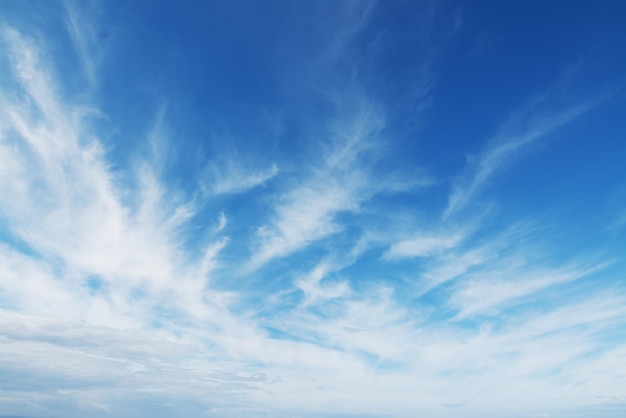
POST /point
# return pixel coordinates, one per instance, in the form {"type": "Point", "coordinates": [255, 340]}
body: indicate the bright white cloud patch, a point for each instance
{"type": "Point", "coordinates": [230, 178]}
{"type": "Point", "coordinates": [316, 270]}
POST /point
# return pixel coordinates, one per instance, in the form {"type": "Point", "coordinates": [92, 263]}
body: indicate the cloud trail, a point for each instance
{"type": "Point", "coordinates": [514, 138]}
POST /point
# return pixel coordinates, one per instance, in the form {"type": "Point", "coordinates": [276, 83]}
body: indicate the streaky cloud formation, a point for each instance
{"type": "Point", "coordinates": [306, 213]}
{"type": "Point", "coordinates": [89, 41]}
{"type": "Point", "coordinates": [302, 210]}
{"type": "Point", "coordinates": [514, 136]}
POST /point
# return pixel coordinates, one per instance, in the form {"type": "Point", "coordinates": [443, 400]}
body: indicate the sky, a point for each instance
{"type": "Point", "coordinates": [312, 209]}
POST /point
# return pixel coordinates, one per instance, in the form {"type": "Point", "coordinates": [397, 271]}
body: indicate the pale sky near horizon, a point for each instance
{"type": "Point", "coordinates": [313, 209]}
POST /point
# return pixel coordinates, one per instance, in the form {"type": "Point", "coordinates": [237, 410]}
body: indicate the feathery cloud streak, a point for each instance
{"type": "Point", "coordinates": [319, 279]}
{"type": "Point", "coordinates": [517, 134]}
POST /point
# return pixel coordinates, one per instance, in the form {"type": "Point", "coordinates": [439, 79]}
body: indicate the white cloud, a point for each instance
{"type": "Point", "coordinates": [525, 127]}
{"type": "Point", "coordinates": [477, 256]}
{"type": "Point", "coordinates": [423, 246]}
{"type": "Point", "coordinates": [314, 292]}
{"type": "Point", "coordinates": [105, 288]}
{"type": "Point", "coordinates": [306, 213]}
{"type": "Point", "coordinates": [66, 203]}
{"type": "Point", "coordinates": [89, 40]}
{"type": "Point", "coordinates": [232, 176]}
{"type": "Point", "coordinates": [221, 223]}
{"type": "Point", "coordinates": [487, 291]}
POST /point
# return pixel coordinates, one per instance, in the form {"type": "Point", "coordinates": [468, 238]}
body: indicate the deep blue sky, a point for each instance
{"type": "Point", "coordinates": [312, 209]}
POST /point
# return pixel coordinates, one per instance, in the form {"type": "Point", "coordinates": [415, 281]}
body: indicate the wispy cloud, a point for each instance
{"type": "Point", "coordinates": [108, 272]}
{"type": "Point", "coordinates": [306, 213]}
{"type": "Point", "coordinates": [525, 127]}
{"type": "Point", "coordinates": [66, 204]}
{"type": "Point", "coordinates": [90, 41]}
{"type": "Point", "coordinates": [445, 266]}
{"type": "Point", "coordinates": [233, 176]}
{"type": "Point", "coordinates": [394, 309]}
{"type": "Point", "coordinates": [488, 291]}
{"type": "Point", "coordinates": [423, 246]}
{"type": "Point", "coordinates": [314, 291]}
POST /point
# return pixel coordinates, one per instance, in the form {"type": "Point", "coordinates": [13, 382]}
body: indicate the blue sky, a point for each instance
{"type": "Point", "coordinates": [312, 209]}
